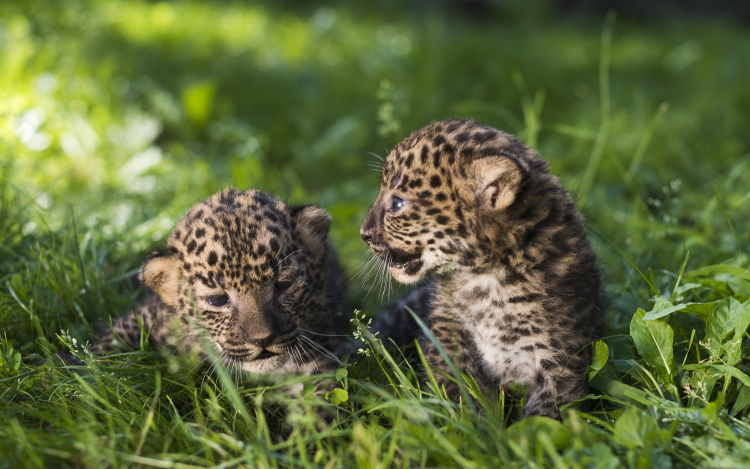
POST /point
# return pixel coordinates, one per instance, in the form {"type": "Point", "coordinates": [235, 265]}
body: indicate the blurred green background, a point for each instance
{"type": "Point", "coordinates": [116, 116]}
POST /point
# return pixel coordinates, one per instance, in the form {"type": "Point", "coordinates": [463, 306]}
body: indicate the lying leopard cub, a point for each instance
{"type": "Point", "coordinates": [516, 294]}
{"type": "Point", "coordinates": [258, 276]}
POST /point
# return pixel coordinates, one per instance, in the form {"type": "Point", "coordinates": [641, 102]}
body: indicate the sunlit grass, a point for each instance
{"type": "Point", "coordinates": [115, 117]}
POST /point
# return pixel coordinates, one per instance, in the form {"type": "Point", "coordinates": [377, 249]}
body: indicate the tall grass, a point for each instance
{"type": "Point", "coordinates": [115, 117]}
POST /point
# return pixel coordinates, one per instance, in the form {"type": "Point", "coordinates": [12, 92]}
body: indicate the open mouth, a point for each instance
{"type": "Point", "coordinates": [399, 260]}
{"type": "Point", "coordinates": [266, 354]}
{"type": "Point", "coordinates": [401, 265]}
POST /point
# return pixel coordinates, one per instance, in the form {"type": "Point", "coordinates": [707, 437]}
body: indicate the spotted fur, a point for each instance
{"type": "Point", "coordinates": [515, 295]}
{"type": "Point", "coordinates": [272, 263]}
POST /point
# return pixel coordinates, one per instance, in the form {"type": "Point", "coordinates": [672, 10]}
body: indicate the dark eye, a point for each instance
{"type": "Point", "coordinates": [397, 203]}
{"type": "Point", "coordinates": [217, 300]}
{"type": "Point", "coordinates": [281, 287]}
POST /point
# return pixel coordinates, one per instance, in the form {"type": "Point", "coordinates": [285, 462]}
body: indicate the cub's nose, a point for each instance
{"type": "Point", "coordinates": [262, 341]}
{"type": "Point", "coordinates": [366, 235]}
{"type": "Point", "coordinates": [369, 225]}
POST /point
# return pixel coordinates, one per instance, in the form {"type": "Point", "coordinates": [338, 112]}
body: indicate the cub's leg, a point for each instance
{"type": "Point", "coordinates": [396, 324]}
{"type": "Point", "coordinates": [125, 329]}
{"type": "Point", "coordinates": [556, 384]}
{"type": "Point", "coordinates": [459, 346]}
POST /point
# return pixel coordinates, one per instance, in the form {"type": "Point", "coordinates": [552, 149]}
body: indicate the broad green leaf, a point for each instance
{"type": "Point", "coordinates": [718, 269]}
{"type": "Point", "coordinates": [601, 355]}
{"type": "Point", "coordinates": [338, 396]}
{"type": "Point", "coordinates": [662, 307]}
{"type": "Point", "coordinates": [743, 400]}
{"type": "Point", "coordinates": [687, 287]}
{"type": "Point", "coordinates": [729, 316]}
{"type": "Point", "coordinates": [634, 429]}
{"type": "Point", "coordinates": [529, 427]}
{"type": "Point", "coordinates": [734, 372]}
{"type": "Point", "coordinates": [341, 373]}
{"type": "Point", "coordinates": [740, 284]}
{"type": "Point", "coordinates": [739, 318]}
{"type": "Point", "coordinates": [702, 310]}
{"type": "Point", "coordinates": [654, 340]}
{"type": "Point", "coordinates": [732, 348]}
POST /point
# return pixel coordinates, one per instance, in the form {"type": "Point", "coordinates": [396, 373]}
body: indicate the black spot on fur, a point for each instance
{"type": "Point", "coordinates": [424, 154]}
{"type": "Point", "coordinates": [212, 258]}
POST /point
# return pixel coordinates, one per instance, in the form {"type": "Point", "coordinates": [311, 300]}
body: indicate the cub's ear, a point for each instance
{"type": "Point", "coordinates": [159, 273]}
{"type": "Point", "coordinates": [497, 182]}
{"type": "Point", "coordinates": [313, 224]}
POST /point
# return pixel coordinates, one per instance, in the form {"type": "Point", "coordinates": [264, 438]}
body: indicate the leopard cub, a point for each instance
{"type": "Point", "coordinates": [258, 277]}
{"type": "Point", "coordinates": [512, 291]}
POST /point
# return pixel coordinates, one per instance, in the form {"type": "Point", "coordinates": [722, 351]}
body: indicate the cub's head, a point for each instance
{"type": "Point", "coordinates": [249, 270]}
{"type": "Point", "coordinates": [446, 192]}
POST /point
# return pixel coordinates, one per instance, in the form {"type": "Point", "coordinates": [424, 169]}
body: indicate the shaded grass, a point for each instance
{"type": "Point", "coordinates": [115, 117]}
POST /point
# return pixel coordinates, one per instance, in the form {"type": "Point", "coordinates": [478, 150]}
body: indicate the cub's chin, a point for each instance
{"type": "Point", "coordinates": [265, 365]}
{"type": "Point", "coordinates": [411, 271]}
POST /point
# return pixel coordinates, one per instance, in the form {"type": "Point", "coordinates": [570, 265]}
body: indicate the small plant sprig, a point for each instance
{"type": "Point", "coordinates": [362, 332]}
{"type": "Point", "coordinates": [80, 351]}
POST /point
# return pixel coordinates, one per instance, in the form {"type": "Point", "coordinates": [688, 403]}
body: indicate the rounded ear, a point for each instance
{"type": "Point", "coordinates": [497, 180]}
{"type": "Point", "coordinates": [313, 224]}
{"type": "Point", "coordinates": [159, 273]}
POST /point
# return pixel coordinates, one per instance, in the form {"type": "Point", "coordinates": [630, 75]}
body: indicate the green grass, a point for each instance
{"type": "Point", "coordinates": [115, 117]}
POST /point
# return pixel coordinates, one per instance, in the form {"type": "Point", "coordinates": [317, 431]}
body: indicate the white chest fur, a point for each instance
{"type": "Point", "coordinates": [485, 308]}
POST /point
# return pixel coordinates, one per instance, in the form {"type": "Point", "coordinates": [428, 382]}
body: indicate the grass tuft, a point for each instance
{"type": "Point", "coordinates": [115, 117]}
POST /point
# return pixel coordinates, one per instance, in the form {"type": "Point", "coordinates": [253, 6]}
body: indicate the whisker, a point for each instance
{"type": "Point", "coordinates": [282, 245]}
{"type": "Point", "coordinates": [376, 276]}
{"type": "Point", "coordinates": [370, 268]}
{"type": "Point", "coordinates": [209, 373]}
{"type": "Point", "coordinates": [287, 256]}
{"type": "Point", "coordinates": [325, 335]}
{"type": "Point", "coordinates": [207, 357]}
{"type": "Point", "coordinates": [298, 364]}
{"type": "Point", "coordinates": [310, 360]}
{"type": "Point", "coordinates": [236, 376]}
{"type": "Point", "coordinates": [381, 279]}
{"type": "Point", "coordinates": [374, 268]}
{"type": "Point", "coordinates": [321, 349]}
{"type": "Point", "coordinates": [375, 155]}
{"type": "Point", "coordinates": [298, 348]}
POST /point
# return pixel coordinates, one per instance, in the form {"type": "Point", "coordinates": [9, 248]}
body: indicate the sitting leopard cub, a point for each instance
{"type": "Point", "coordinates": [515, 295]}
{"type": "Point", "coordinates": [258, 276]}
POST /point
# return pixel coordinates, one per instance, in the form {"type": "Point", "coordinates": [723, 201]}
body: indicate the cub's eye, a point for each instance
{"type": "Point", "coordinates": [217, 300]}
{"type": "Point", "coordinates": [281, 287]}
{"type": "Point", "coordinates": [397, 203]}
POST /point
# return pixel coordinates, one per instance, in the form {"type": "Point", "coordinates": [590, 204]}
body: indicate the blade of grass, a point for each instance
{"type": "Point", "coordinates": [718, 200]}
{"type": "Point", "coordinates": [605, 110]}
{"type": "Point", "coordinates": [622, 253]}
{"type": "Point", "coordinates": [462, 388]}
